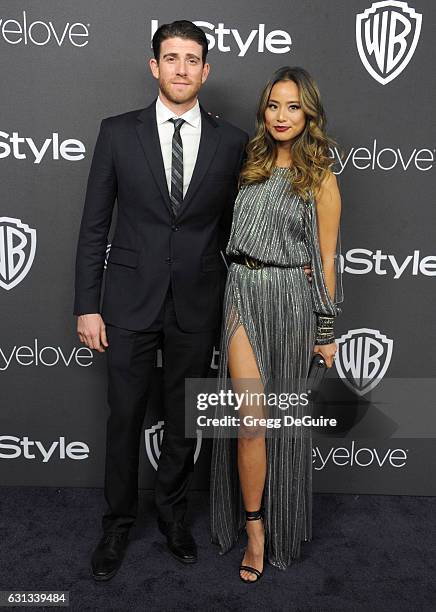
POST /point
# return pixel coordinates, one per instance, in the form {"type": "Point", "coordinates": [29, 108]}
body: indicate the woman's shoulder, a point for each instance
{"type": "Point", "coordinates": [251, 186]}
{"type": "Point", "coordinates": [276, 174]}
{"type": "Point", "coordinates": [328, 197]}
{"type": "Point", "coordinates": [328, 185]}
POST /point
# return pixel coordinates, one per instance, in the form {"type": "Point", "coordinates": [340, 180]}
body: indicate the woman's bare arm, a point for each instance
{"type": "Point", "coordinates": [328, 207]}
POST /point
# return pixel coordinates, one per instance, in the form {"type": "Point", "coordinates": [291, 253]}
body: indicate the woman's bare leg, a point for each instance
{"type": "Point", "coordinates": [251, 446]}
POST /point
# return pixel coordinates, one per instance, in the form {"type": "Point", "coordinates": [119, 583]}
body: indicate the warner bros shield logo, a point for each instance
{"type": "Point", "coordinates": [363, 358]}
{"type": "Point", "coordinates": [386, 37]}
{"type": "Point", "coordinates": [153, 443]}
{"type": "Point", "coordinates": [17, 251]}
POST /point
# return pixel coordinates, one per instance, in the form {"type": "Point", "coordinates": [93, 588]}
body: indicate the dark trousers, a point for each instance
{"type": "Point", "coordinates": [131, 359]}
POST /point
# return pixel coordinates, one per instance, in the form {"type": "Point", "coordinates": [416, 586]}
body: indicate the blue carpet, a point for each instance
{"type": "Point", "coordinates": [369, 552]}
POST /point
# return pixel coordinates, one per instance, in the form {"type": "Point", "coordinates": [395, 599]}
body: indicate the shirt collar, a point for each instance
{"type": "Point", "coordinates": [163, 114]}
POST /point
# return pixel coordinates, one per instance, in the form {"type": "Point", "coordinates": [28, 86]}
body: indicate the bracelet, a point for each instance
{"type": "Point", "coordinates": [324, 330]}
{"type": "Point", "coordinates": [326, 341]}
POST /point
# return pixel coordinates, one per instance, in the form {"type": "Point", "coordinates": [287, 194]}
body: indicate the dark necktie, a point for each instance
{"type": "Point", "coordinates": [177, 167]}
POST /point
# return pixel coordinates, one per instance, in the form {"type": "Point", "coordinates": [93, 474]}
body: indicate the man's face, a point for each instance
{"type": "Point", "coordinates": [180, 70]}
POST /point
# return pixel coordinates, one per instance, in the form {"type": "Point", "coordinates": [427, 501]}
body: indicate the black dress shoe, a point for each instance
{"type": "Point", "coordinates": [180, 542]}
{"type": "Point", "coordinates": [108, 555]}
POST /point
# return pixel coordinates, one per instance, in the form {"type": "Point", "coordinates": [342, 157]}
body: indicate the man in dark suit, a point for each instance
{"type": "Point", "coordinates": [173, 170]}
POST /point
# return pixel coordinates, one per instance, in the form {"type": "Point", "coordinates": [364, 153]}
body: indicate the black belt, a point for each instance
{"type": "Point", "coordinates": [257, 264]}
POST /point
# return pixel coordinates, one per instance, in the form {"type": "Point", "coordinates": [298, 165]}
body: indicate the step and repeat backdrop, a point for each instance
{"type": "Point", "coordinates": [66, 65]}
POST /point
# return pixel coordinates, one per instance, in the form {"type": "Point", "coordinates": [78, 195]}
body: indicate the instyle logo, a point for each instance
{"type": "Point", "coordinates": [24, 31]}
{"type": "Point", "coordinates": [17, 251]}
{"type": "Point", "coordinates": [228, 40]}
{"type": "Point", "coordinates": [12, 447]}
{"type": "Point", "coordinates": [26, 148]}
{"type": "Point", "coordinates": [153, 443]}
{"type": "Point", "coordinates": [363, 358]}
{"type": "Point", "coordinates": [374, 158]}
{"type": "Point", "coordinates": [365, 261]}
{"type": "Point", "coordinates": [361, 457]}
{"type": "Point", "coordinates": [45, 356]}
{"type": "Point", "coordinates": [386, 37]}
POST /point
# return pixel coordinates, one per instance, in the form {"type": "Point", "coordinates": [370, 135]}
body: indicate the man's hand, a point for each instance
{"type": "Point", "coordinates": [92, 331]}
{"type": "Point", "coordinates": [308, 272]}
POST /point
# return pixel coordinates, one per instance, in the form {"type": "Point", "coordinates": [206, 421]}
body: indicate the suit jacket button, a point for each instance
{"type": "Point", "coordinates": [175, 228]}
{"type": "Point", "coordinates": [168, 259]}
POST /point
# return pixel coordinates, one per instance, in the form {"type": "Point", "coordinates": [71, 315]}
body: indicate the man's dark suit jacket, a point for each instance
{"type": "Point", "coordinates": [150, 249]}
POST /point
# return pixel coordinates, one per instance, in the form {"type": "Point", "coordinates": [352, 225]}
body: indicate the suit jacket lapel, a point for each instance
{"type": "Point", "coordinates": [146, 128]}
{"type": "Point", "coordinates": [208, 144]}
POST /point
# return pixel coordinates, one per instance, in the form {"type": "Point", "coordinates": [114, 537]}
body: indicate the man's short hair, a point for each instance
{"type": "Point", "coordinates": [179, 29]}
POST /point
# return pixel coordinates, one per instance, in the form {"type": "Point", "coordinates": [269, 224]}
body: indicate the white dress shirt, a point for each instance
{"type": "Point", "coordinates": [190, 133]}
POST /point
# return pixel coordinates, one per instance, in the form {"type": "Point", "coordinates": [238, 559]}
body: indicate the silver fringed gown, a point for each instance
{"type": "Point", "coordinates": [277, 306]}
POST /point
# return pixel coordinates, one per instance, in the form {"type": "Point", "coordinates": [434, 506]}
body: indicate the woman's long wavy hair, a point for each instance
{"type": "Point", "coordinates": [309, 150]}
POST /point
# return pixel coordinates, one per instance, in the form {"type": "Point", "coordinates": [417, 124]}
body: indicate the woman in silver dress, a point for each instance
{"type": "Point", "coordinates": [287, 216]}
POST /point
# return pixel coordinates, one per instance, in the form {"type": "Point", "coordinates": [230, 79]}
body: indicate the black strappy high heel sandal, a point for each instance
{"type": "Point", "coordinates": [252, 516]}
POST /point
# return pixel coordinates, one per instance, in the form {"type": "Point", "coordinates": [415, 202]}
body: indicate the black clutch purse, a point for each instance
{"type": "Point", "coordinates": [317, 371]}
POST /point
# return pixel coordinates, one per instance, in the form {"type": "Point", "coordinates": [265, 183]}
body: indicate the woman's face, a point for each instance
{"type": "Point", "coordinates": [284, 117]}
